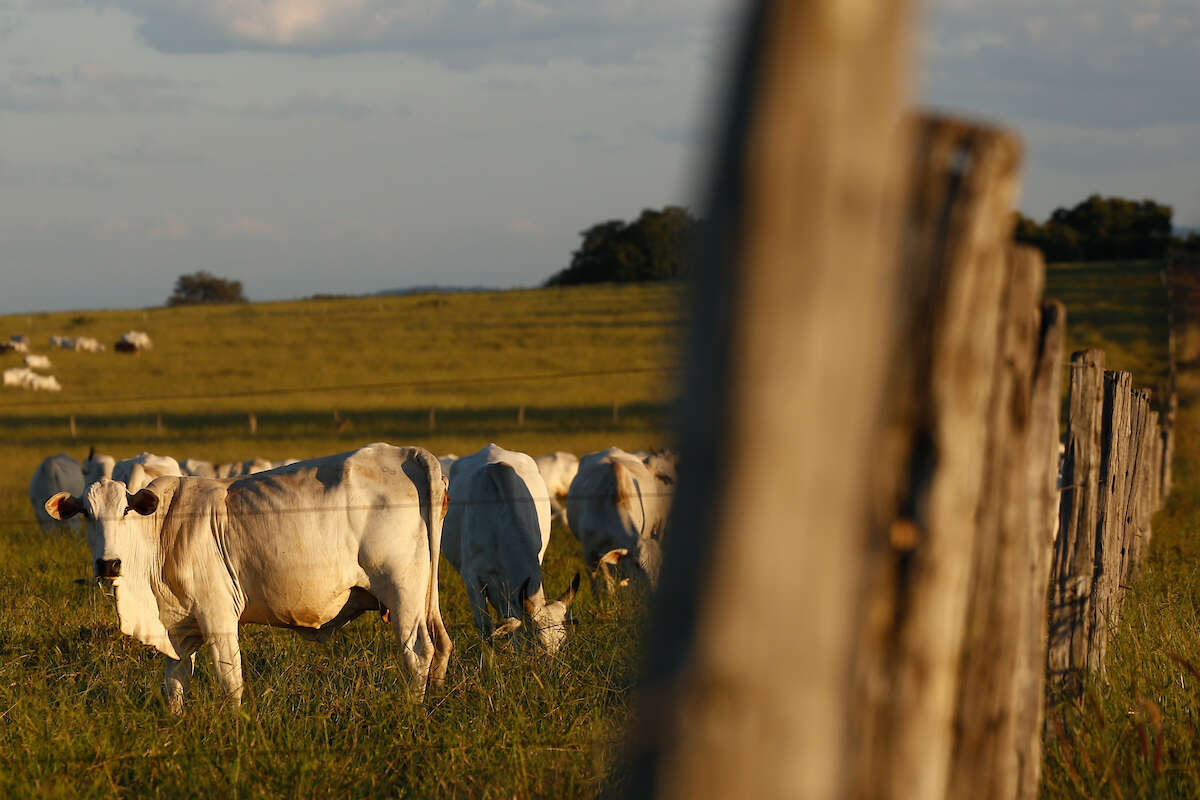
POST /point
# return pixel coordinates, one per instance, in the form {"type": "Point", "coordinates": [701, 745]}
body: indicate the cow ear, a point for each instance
{"type": "Point", "coordinates": [568, 596]}
{"type": "Point", "coordinates": [62, 506]}
{"type": "Point", "coordinates": [145, 502]}
{"type": "Point", "coordinates": [614, 556]}
{"type": "Point", "coordinates": [510, 625]}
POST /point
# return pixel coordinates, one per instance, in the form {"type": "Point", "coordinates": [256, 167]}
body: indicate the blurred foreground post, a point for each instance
{"type": "Point", "coordinates": [749, 673]}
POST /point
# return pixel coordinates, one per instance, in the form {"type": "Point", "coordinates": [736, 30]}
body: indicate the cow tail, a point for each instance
{"type": "Point", "coordinates": [439, 499]}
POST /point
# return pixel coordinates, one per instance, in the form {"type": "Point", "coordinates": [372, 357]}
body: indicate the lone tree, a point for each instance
{"type": "Point", "coordinates": [654, 247]}
{"type": "Point", "coordinates": [204, 287]}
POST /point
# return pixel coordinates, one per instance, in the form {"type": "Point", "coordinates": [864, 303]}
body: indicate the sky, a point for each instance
{"type": "Point", "coordinates": [353, 146]}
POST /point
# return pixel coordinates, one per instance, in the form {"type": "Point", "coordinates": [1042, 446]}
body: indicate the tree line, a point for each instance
{"type": "Point", "coordinates": [1104, 229]}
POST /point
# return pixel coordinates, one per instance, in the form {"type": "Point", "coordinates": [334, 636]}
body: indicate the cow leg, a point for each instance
{"type": "Point", "coordinates": [411, 630]}
{"type": "Point", "coordinates": [177, 675]}
{"type": "Point", "coordinates": [479, 607]}
{"type": "Point", "coordinates": [220, 632]}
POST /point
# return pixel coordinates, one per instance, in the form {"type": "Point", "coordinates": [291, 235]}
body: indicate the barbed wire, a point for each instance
{"type": "Point", "coordinates": [432, 383]}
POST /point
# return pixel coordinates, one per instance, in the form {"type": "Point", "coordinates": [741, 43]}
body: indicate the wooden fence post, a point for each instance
{"type": "Point", "coordinates": [616, 413]}
{"type": "Point", "coordinates": [955, 267]}
{"type": "Point", "coordinates": [158, 424]}
{"type": "Point", "coordinates": [1043, 501]}
{"type": "Point", "coordinates": [1107, 592]}
{"type": "Point", "coordinates": [1139, 510]}
{"type": "Point", "coordinates": [71, 422]}
{"type": "Point", "coordinates": [521, 416]}
{"type": "Point", "coordinates": [252, 423]}
{"type": "Point", "coordinates": [1075, 550]}
{"type": "Point", "coordinates": [432, 419]}
{"type": "Point", "coordinates": [795, 305]}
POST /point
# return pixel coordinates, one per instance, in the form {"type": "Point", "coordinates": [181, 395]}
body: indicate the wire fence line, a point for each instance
{"type": "Point", "coordinates": [336, 508]}
{"type": "Point", "coordinates": [433, 383]}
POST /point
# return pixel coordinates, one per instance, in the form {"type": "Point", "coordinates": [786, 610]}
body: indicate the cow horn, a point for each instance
{"type": "Point", "coordinates": [91, 452]}
{"type": "Point", "coordinates": [569, 595]}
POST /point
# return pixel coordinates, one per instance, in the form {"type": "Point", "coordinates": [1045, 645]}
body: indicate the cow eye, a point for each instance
{"type": "Point", "coordinates": [126, 511]}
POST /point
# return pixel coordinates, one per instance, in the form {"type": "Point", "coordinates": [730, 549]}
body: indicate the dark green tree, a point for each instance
{"type": "Point", "coordinates": [204, 287]}
{"type": "Point", "coordinates": [1101, 228]}
{"type": "Point", "coordinates": [654, 247]}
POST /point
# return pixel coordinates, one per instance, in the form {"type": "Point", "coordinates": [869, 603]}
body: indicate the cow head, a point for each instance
{"type": "Point", "coordinates": [122, 534]}
{"type": "Point", "coordinates": [625, 566]}
{"type": "Point", "coordinates": [547, 621]}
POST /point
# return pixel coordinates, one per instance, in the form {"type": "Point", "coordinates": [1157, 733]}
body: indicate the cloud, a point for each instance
{"type": "Point", "coordinates": [1114, 65]}
{"type": "Point", "coordinates": [457, 33]}
{"type": "Point", "coordinates": [312, 104]}
{"type": "Point", "coordinates": [92, 87]}
{"type": "Point", "coordinates": [147, 151]}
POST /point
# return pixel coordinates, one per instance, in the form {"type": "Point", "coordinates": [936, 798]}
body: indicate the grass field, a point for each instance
{"type": "Point", "coordinates": [80, 713]}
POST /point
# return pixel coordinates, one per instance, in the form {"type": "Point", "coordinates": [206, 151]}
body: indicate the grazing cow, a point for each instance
{"type": "Point", "coordinates": [308, 547]}
{"type": "Point", "coordinates": [198, 468]}
{"type": "Point", "coordinates": [558, 470]}
{"type": "Point", "coordinates": [138, 471]}
{"type": "Point", "coordinates": [17, 343]}
{"type": "Point", "coordinates": [84, 344]}
{"type": "Point", "coordinates": [96, 467]}
{"type": "Point", "coordinates": [55, 474]}
{"type": "Point", "coordinates": [26, 378]}
{"type": "Point", "coordinates": [496, 532]}
{"type": "Point", "coordinates": [618, 510]}
{"type": "Point", "coordinates": [37, 361]}
{"type": "Point", "coordinates": [133, 342]}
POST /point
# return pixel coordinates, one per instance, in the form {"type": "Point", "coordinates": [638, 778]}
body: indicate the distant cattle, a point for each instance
{"type": "Point", "coordinates": [37, 361]}
{"type": "Point", "coordinates": [447, 461]}
{"type": "Point", "coordinates": [25, 378]}
{"type": "Point", "coordinates": [618, 508]}
{"type": "Point", "coordinates": [139, 470]}
{"type": "Point", "coordinates": [133, 342]}
{"type": "Point", "coordinates": [234, 469]}
{"type": "Point", "coordinates": [82, 344]}
{"type": "Point", "coordinates": [55, 474]}
{"type": "Point", "coordinates": [496, 532]}
{"type": "Point", "coordinates": [558, 470]}
{"type": "Point", "coordinates": [197, 468]}
{"type": "Point", "coordinates": [97, 466]}
{"type": "Point", "coordinates": [308, 547]}
{"type": "Point", "coordinates": [17, 343]}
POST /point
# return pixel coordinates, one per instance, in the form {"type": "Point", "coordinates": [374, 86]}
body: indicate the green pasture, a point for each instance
{"type": "Point", "coordinates": [80, 713]}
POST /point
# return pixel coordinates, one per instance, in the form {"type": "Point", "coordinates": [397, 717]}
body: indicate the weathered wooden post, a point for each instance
{"type": "Point", "coordinates": [1139, 510]}
{"type": "Point", "coordinates": [1075, 550]}
{"type": "Point", "coordinates": [1006, 598]}
{"type": "Point", "coordinates": [252, 423]}
{"type": "Point", "coordinates": [1107, 582]}
{"type": "Point", "coordinates": [71, 423]}
{"type": "Point", "coordinates": [1042, 496]}
{"type": "Point", "coordinates": [616, 416]}
{"type": "Point", "coordinates": [794, 321]}
{"type": "Point", "coordinates": [521, 416]}
{"type": "Point", "coordinates": [956, 266]}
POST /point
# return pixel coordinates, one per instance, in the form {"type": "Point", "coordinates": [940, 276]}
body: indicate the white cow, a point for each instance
{"type": "Point", "coordinates": [96, 467]}
{"type": "Point", "coordinates": [55, 474]}
{"type": "Point", "coordinates": [447, 461]}
{"type": "Point", "coordinates": [134, 342]}
{"type": "Point", "coordinates": [37, 361]}
{"type": "Point", "coordinates": [234, 469]}
{"type": "Point", "coordinates": [496, 532]}
{"type": "Point", "coordinates": [558, 470]}
{"type": "Point", "coordinates": [198, 468]}
{"type": "Point", "coordinates": [26, 378]}
{"type": "Point", "coordinates": [618, 510]}
{"type": "Point", "coordinates": [85, 344]}
{"type": "Point", "coordinates": [307, 547]}
{"type": "Point", "coordinates": [139, 470]}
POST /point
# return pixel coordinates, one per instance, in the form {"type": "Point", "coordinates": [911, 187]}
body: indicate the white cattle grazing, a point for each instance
{"type": "Point", "coordinates": [37, 361]}
{"type": "Point", "coordinates": [133, 342]}
{"type": "Point", "coordinates": [447, 461]}
{"type": "Point", "coordinates": [618, 510]}
{"type": "Point", "coordinates": [16, 343]}
{"type": "Point", "coordinates": [558, 470]}
{"type": "Point", "coordinates": [308, 547]}
{"type": "Point", "coordinates": [82, 344]}
{"type": "Point", "coordinates": [55, 474]}
{"type": "Point", "coordinates": [138, 471]}
{"type": "Point", "coordinates": [197, 468]}
{"type": "Point", "coordinates": [97, 466]}
{"type": "Point", "coordinates": [496, 532]}
{"type": "Point", "coordinates": [234, 469]}
{"type": "Point", "coordinates": [25, 378]}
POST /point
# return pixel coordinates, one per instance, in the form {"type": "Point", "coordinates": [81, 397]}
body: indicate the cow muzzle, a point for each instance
{"type": "Point", "coordinates": [108, 567]}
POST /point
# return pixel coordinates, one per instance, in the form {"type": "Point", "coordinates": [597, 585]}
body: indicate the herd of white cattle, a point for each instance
{"type": "Point", "coordinates": [24, 377]}
{"type": "Point", "coordinates": [188, 550]}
